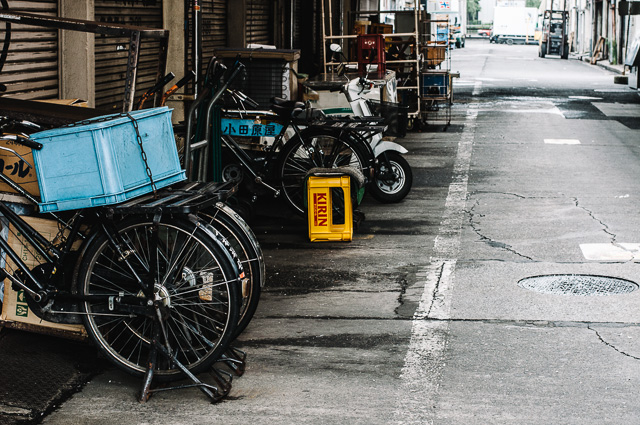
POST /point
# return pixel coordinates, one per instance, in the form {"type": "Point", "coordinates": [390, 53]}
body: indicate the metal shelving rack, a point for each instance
{"type": "Point", "coordinates": [436, 89]}
{"type": "Point", "coordinates": [407, 83]}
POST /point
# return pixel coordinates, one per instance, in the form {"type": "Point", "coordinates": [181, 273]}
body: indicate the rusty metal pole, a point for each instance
{"type": "Point", "coordinates": [196, 47]}
{"type": "Point", "coordinates": [132, 70]}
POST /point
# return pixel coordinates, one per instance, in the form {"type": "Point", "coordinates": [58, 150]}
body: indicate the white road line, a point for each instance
{"type": "Point", "coordinates": [562, 141]}
{"type": "Point", "coordinates": [476, 88]}
{"type": "Point", "coordinates": [424, 360]}
{"type": "Point", "coordinates": [585, 97]}
{"type": "Point", "coordinates": [611, 252]}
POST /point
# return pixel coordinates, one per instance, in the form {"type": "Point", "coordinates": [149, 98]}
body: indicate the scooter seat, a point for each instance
{"type": "Point", "coordinates": [286, 111]}
{"type": "Point", "coordinates": [290, 104]}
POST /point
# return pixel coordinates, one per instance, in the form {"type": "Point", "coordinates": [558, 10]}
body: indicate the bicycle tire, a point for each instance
{"type": "Point", "coordinates": [244, 242]}
{"type": "Point", "coordinates": [199, 303]}
{"type": "Point", "coordinates": [328, 149]}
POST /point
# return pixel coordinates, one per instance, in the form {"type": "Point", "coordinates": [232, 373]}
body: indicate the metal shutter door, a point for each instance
{"type": "Point", "coordinates": [214, 26]}
{"type": "Point", "coordinates": [259, 30]}
{"type": "Point", "coordinates": [111, 52]}
{"type": "Point", "coordinates": [31, 70]}
{"type": "Point", "coordinates": [298, 24]}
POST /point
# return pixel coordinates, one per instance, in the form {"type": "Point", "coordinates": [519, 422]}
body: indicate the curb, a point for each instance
{"type": "Point", "coordinates": [612, 68]}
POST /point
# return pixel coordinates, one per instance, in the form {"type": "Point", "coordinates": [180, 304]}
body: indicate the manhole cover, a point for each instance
{"type": "Point", "coordinates": [577, 284]}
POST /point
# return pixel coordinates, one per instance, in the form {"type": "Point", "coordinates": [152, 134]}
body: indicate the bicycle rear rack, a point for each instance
{"type": "Point", "coordinates": [183, 198]}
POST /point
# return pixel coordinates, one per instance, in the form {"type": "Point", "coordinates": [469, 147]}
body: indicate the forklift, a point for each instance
{"type": "Point", "coordinates": [554, 39]}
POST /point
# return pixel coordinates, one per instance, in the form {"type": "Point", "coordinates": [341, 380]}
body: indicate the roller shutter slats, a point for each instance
{"type": "Point", "coordinates": [31, 70]}
{"type": "Point", "coordinates": [111, 53]}
{"type": "Point", "coordinates": [259, 22]}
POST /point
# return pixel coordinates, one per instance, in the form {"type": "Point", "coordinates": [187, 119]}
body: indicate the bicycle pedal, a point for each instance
{"type": "Point", "coordinates": [358, 218]}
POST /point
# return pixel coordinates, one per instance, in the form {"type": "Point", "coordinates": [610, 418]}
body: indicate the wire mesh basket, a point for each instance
{"type": "Point", "coordinates": [395, 116]}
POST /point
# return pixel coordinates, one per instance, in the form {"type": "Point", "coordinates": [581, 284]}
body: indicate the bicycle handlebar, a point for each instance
{"type": "Point", "coordinates": [216, 74]}
{"type": "Point", "coordinates": [244, 98]}
{"type": "Point", "coordinates": [238, 67]}
{"type": "Point", "coordinates": [156, 87]}
{"type": "Point", "coordinates": [183, 81]}
{"type": "Point", "coordinates": [25, 141]}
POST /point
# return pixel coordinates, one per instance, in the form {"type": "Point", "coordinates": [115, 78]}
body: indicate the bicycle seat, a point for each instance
{"type": "Point", "coordinates": [309, 114]}
{"type": "Point", "coordinates": [284, 108]}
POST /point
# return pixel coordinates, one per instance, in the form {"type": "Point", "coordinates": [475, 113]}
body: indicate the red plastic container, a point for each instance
{"type": "Point", "coordinates": [371, 52]}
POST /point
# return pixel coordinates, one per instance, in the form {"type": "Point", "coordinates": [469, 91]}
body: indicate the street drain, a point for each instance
{"type": "Point", "coordinates": [578, 284]}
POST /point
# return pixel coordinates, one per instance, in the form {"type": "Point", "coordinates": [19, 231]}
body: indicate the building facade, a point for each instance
{"type": "Point", "coordinates": [46, 64]}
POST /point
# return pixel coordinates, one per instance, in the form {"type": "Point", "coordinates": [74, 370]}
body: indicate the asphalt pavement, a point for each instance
{"type": "Point", "coordinates": [486, 297]}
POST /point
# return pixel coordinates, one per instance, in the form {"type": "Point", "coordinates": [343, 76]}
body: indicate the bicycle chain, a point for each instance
{"type": "Point", "coordinates": [144, 155]}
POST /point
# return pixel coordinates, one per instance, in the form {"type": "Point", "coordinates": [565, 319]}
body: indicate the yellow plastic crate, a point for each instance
{"type": "Point", "coordinates": [329, 200]}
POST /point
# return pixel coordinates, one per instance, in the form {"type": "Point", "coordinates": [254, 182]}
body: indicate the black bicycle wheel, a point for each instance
{"type": "Point", "coordinates": [321, 148]}
{"type": "Point", "coordinates": [244, 243]}
{"type": "Point", "coordinates": [192, 310]}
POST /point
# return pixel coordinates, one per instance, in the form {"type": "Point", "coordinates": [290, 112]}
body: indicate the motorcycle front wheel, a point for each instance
{"type": "Point", "coordinates": [393, 178]}
{"type": "Point", "coordinates": [316, 149]}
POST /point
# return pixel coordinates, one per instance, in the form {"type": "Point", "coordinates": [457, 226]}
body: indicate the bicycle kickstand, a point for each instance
{"type": "Point", "coordinates": [215, 393]}
{"type": "Point", "coordinates": [235, 360]}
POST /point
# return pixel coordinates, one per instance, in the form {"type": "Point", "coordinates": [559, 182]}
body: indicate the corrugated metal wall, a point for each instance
{"type": "Point", "coordinates": [112, 52]}
{"type": "Point", "coordinates": [31, 70]}
{"type": "Point", "coordinates": [214, 26]}
{"type": "Point", "coordinates": [298, 24]}
{"type": "Point", "coordinates": [260, 23]}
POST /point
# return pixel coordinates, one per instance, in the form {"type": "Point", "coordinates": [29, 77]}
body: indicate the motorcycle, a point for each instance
{"type": "Point", "coordinates": [393, 175]}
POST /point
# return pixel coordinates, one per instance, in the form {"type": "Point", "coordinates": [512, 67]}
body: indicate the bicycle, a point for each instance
{"type": "Point", "coordinates": [219, 216]}
{"type": "Point", "coordinates": [316, 142]}
{"type": "Point", "coordinates": [302, 139]}
{"type": "Point", "coordinates": [156, 288]}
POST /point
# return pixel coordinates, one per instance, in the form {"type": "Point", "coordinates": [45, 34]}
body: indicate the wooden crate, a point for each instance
{"type": "Point", "coordinates": [435, 55]}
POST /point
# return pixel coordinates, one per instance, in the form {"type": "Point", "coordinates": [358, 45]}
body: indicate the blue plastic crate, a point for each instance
{"type": "Point", "coordinates": [100, 163]}
{"type": "Point", "coordinates": [442, 34]}
{"type": "Point", "coordinates": [434, 84]}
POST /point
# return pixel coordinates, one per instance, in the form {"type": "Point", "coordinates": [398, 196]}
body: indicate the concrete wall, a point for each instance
{"type": "Point", "coordinates": [173, 20]}
{"type": "Point", "coordinates": [77, 62]}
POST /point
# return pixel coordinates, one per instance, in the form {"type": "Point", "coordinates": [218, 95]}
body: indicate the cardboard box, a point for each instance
{"type": "Point", "coordinates": [15, 310]}
{"type": "Point", "coordinates": [360, 27]}
{"type": "Point", "coordinates": [381, 28]}
{"type": "Point", "coordinates": [67, 102]}
{"type": "Point", "coordinates": [18, 168]}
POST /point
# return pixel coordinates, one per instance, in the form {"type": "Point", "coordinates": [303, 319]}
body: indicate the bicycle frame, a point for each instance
{"type": "Point", "coordinates": [43, 285]}
{"type": "Point", "coordinates": [263, 168]}
{"type": "Point", "coordinates": [42, 288]}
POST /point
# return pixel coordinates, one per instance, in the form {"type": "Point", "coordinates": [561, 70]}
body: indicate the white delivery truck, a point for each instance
{"type": "Point", "coordinates": [514, 25]}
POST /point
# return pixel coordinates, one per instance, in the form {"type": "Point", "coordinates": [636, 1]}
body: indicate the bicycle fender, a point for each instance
{"type": "Point", "coordinates": [384, 145]}
{"type": "Point", "coordinates": [220, 241]}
